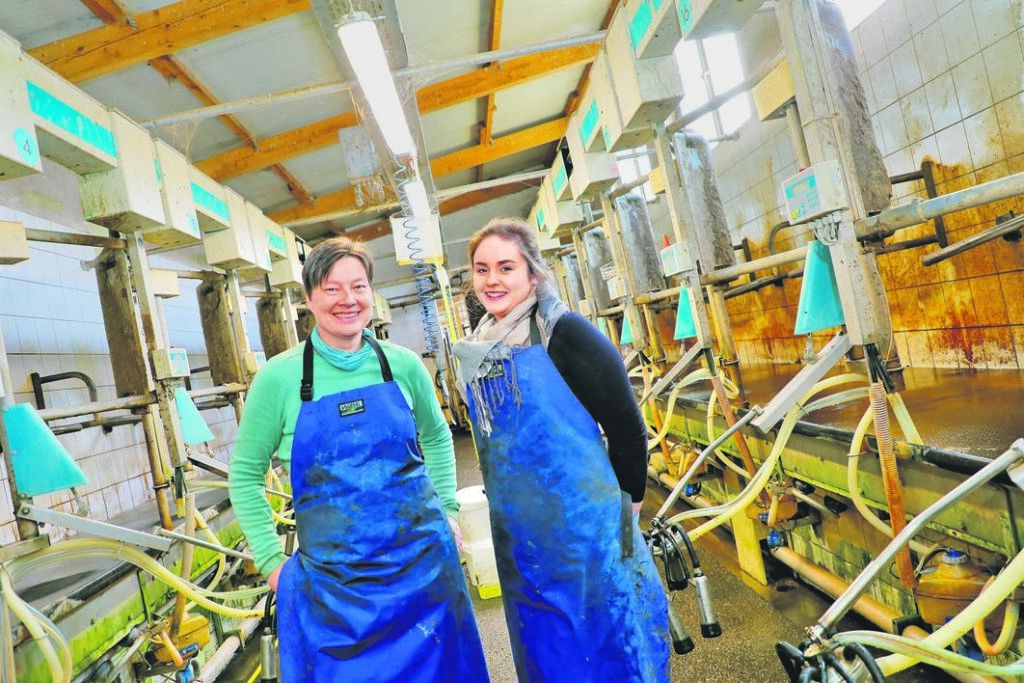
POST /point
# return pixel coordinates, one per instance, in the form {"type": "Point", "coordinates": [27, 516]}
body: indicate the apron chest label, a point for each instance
{"type": "Point", "coordinates": [351, 408]}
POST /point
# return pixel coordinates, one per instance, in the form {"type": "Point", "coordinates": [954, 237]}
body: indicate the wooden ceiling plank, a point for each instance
{"type": "Point", "coordinates": [155, 33]}
{"type": "Point", "coordinates": [107, 11]}
{"type": "Point", "coordinates": [345, 199]}
{"type": "Point", "coordinates": [277, 148]}
{"type": "Point", "coordinates": [318, 135]}
{"type": "Point", "coordinates": [471, 199]}
{"type": "Point", "coordinates": [324, 205]}
{"type": "Point", "coordinates": [505, 74]}
{"type": "Point", "coordinates": [497, 9]}
{"type": "Point", "coordinates": [501, 147]}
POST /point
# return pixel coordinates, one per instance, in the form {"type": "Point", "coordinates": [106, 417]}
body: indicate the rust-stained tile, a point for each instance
{"type": "Point", "coordinates": [920, 350]}
{"type": "Point", "coordinates": [914, 315]}
{"type": "Point", "coordinates": [1009, 256]}
{"type": "Point", "coordinates": [988, 301]}
{"type": "Point", "coordinates": [933, 306]}
{"type": "Point", "coordinates": [994, 171]}
{"type": "Point", "coordinates": [902, 347]}
{"type": "Point", "coordinates": [1013, 295]}
{"type": "Point", "coordinates": [895, 298]}
{"type": "Point", "coordinates": [969, 343]}
{"type": "Point", "coordinates": [977, 262]}
{"type": "Point", "coordinates": [999, 350]}
{"type": "Point", "coordinates": [960, 311]}
{"type": "Point", "coordinates": [1010, 113]}
{"type": "Point", "coordinates": [948, 270]}
{"type": "Point", "coordinates": [945, 349]}
{"type": "Point", "coordinates": [1017, 332]}
{"type": "Point", "coordinates": [953, 147]}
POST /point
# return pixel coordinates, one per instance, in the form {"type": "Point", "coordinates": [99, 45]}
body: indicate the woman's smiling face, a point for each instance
{"type": "Point", "coordinates": [501, 276]}
{"type": "Point", "coordinates": [342, 304]}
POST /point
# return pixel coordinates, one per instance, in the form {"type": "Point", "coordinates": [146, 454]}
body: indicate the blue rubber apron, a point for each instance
{"type": "Point", "coordinates": [376, 590]}
{"type": "Point", "coordinates": [583, 599]}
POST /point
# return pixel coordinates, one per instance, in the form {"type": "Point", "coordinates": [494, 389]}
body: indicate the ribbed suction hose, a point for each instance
{"type": "Point", "coordinates": [891, 479]}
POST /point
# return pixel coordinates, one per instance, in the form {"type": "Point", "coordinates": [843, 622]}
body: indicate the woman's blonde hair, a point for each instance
{"type": "Point", "coordinates": [518, 231]}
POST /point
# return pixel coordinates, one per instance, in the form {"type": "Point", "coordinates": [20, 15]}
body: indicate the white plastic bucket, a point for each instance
{"type": "Point", "coordinates": [473, 514]}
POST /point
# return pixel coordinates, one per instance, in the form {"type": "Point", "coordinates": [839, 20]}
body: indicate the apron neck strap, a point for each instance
{"type": "Point", "coordinates": [385, 367]}
{"type": "Point", "coordinates": [306, 386]}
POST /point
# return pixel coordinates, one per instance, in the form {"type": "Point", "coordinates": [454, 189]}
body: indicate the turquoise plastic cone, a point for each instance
{"type": "Point", "coordinates": [603, 326]}
{"type": "Point", "coordinates": [627, 332]}
{"type": "Point", "coordinates": [41, 463]}
{"type": "Point", "coordinates": [685, 327]}
{"type": "Point", "coordinates": [193, 427]}
{"type": "Point", "coordinates": [819, 307]}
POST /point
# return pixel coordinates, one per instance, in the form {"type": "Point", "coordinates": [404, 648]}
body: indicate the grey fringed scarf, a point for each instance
{"type": "Point", "coordinates": [494, 340]}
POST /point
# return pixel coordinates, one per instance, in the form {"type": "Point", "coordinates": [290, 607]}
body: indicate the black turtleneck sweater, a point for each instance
{"type": "Point", "coordinates": [593, 369]}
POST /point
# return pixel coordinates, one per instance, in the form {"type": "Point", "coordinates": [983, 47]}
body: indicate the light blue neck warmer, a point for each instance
{"type": "Point", "coordinates": [343, 360]}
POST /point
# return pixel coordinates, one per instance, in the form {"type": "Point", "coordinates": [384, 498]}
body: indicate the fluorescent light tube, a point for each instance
{"type": "Point", "coordinates": [361, 42]}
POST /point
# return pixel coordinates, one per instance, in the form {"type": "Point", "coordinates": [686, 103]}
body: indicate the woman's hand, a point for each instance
{"type": "Point", "coordinates": [274, 577]}
{"type": "Point", "coordinates": [636, 508]}
{"type": "Point", "coordinates": [456, 532]}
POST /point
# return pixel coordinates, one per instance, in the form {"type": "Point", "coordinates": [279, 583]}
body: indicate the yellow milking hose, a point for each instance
{"type": "Point", "coordinates": [723, 513]}
{"type": "Point", "coordinates": [77, 548]}
{"type": "Point", "coordinates": [39, 633]}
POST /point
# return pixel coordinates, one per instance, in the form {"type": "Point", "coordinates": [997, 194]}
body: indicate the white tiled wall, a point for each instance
{"type": "Point", "coordinates": [944, 80]}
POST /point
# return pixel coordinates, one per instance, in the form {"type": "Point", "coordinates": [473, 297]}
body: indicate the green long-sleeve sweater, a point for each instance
{"type": "Point", "coordinates": [268, 424]}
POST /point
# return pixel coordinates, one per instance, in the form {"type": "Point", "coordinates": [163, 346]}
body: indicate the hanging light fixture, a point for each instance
{"type": "Point", "coordinates": [361, 42]}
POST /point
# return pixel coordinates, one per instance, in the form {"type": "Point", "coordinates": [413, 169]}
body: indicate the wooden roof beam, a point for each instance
{"type": "Point", "coordinates": [276, 148]}
{"type": "Point", "coordinates": [107, 11]}
{"type": "Point", "coordinates": [471, 86]}
{"type": "Point", "coordinates": [344, 201]}
{"type": "Point", "coordinates": [156, 33]}
{"type": "Point", "coordinates": [497, 10]}
{"type": "Point", "coordinates": [499, 148]}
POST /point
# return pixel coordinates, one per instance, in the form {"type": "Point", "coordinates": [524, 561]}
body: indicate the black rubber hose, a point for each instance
{"type": "Point", "coordinates": [860, 652]}
{"type": "Point", "coordinates": [791, 659]}
{"type": "Point", "coordinates": [680, 584]}
{"type": "Point", "coordinates": [830, 660]}
{"type": "Point", "coordinates": [689, 545]}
